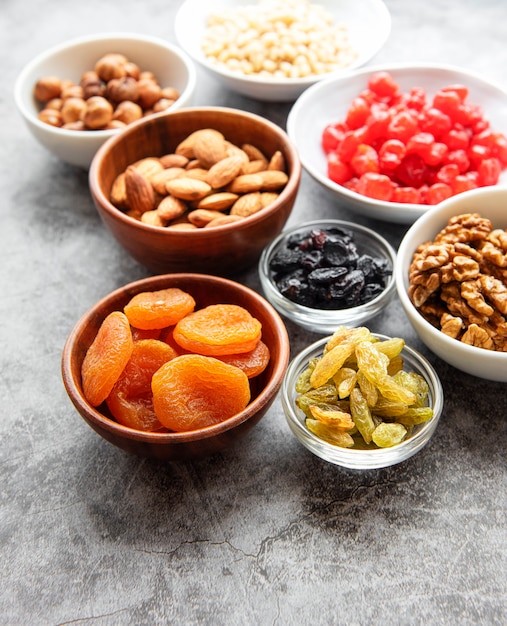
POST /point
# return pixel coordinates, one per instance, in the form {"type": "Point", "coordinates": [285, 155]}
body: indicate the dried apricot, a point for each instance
{"type": "Point", "coordinates": [131, 399]}
{"type": "Point", "coordinates": [194, 391]}
{"type": "Point", "coordinates": [252, 363]}
{"type": "Point", "coordinates": [218, 329]}
{"type": "Point", "coordinates": [106, 357]}
{"type": "Point", "coordinates": [138, 333]}
{"type": "Point", "coordinates": [158, 309]}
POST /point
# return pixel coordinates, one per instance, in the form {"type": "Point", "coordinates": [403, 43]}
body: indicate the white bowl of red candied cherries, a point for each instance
{"type": "Point", "coordinates": [391, 141]}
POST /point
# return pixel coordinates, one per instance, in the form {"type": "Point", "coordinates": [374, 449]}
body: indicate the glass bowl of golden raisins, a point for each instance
{"type": "Point", "coordinates": [362, 400]}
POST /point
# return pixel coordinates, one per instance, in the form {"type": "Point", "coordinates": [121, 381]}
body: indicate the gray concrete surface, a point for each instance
{"type": "Point", "coordinates": [264, 533]}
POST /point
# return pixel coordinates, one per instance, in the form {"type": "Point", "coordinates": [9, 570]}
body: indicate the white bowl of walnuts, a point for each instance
{"type": "Point", "coordinates": [78, 94]}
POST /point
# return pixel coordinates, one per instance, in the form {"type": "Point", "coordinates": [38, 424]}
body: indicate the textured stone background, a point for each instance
{"type": "Point", "coordinates": [264, 533]}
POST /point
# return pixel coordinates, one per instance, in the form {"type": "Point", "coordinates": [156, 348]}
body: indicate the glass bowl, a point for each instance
{"type": "Point", "coordinates": [353, 458]}
{"type": "Point", "coordinates": [325, 321]}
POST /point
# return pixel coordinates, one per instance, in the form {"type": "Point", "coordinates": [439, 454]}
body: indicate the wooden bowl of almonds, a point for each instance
{"type": "Point", "coordinates": [201, 189]}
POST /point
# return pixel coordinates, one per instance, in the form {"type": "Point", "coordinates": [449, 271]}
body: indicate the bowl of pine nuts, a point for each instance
{"type": "Point", "coordinates": [272, 50]}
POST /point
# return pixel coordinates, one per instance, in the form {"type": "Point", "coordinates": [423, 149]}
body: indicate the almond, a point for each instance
{"type": "Point", "coordinates": [173, 160]}
{"type": "Point", "coordinates": [118, 193]}
{"type": "Point", "coordinates": [160, 179]}
{"type": "Point", "coordinates": [268, 197]}
{"type": "Point", "coordinates": [254, 154]}
{"type": "Point", "coordinates": [246, 183]}
{"type": "Point", "coordinates": [273, 180]}
{"type": "Point", "coordinates": [140, 194]}
{"type": "Point", "coordinates": [201, 217]}
{"type": "Point", "coordinates": [209, 147]}
{"type": "Point", "coordinates": [152, 218]}
{"type": "Point", "coordinates": [148, 166]}
{"type": "Point", "coordinates": [170, 208]}
{"type": "Point", "coordinates": [247, 205]}
{"type": "Point", "coordinates": [277, 162]}
{"type": "Point", "coordinates": [188, 188]}
{"type": "Point", "coordinates": [223, 171]}
{"type": "Point", "coordinates": [218, 201]}
{"type": "Point", "coordinates": [182, 226]}
{"type": "Point", "coordinates": [187, 146]}
{"type": "Point", "coordinates": [252, 167]}
{"type": "Point", "coordinates": [223, 220]}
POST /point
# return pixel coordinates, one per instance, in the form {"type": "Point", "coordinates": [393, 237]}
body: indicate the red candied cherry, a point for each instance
{"type": "Point", "coordinates": [383, 85]}
{"type": "Point", "coordinates": [416, 99]}
{"type": "Point", "coordinates": [447, 174]}
{"type": "Point", "coordinates": [448, 102]}
{"type": "Point", "coordinates": [456, 139]}
{"type": "Point", "coordinates": [391, 154]}
{"type": "Point", "coordinates": [338, 171]}
{"type": "Point", "coordinates": [463, 183]}
{"type": "Point", "coordinates": [438, 192]}
{"type": "Point", "coordinates": [364, 159]}
{"type": "Point", "coordinates": [459, 89]}
{"type": "Point", "coordinates": [332, 136]}
{"type": "Point", "coordinates": [499, 148]}
{"type": "Point", "coordinates": [412, 171]}
{"type": "Point", "coordinates": [420, 144]}
{"type": "Point", "coordinates": [477, 153]}
{"type": "Point", "coordinates": [403, 126]}
{"type": "Point", "coordinates": [357, 113]}
{"type": "Point", "coordinates": [376, 186]}
{"type": "Point", "coordinates": [436, 154]}
{"type": "Point", "coordinates": [434, 121]}
{"type": "Point", "coordinates": [377, 122]}
{"type": "Point", "coordinates": [407, 195]}
{"type": "Point", "coordinates": [460, 158]}
{"type": "Point", "coordinates": [352, 184]}
{"type": "Point", "coordinates": [489, 172]}
{"type": "Point", "coordinates": [351, 139]}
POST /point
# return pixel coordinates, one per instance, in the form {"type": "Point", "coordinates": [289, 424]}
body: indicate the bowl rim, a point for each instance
{"type": "Point", "coordinates": [229, 75]}
{"type": "Point", "coordinates": [406, 250]}
{"type": "Point", "coordinates": [46, 55]}
{"type": "Point", "coordinates": [93, 415]}
{"type": "Point", "coordinates": [415, 210]}
{"type": "Point", "coordinates": [357, 458]}
{"type": "Point", "coordinates": [201, 233]}
{"type": "Point", "coordinates": [328, 314]}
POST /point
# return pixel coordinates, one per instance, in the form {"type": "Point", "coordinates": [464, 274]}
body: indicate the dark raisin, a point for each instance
{"type": "Point", "coordinates": [286, 260]}
{"type": "Point", "coordinates": [326, 275]}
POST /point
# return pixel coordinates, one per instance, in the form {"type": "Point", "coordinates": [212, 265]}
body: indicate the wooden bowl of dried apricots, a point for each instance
{"type": "Point", "coordinates": [202, 189]}
{"type": "Point", "coordinates": [176, 366]}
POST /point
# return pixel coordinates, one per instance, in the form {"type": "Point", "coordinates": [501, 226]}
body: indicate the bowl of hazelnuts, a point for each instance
{"type": "Point", "coordinates": [78, 94]}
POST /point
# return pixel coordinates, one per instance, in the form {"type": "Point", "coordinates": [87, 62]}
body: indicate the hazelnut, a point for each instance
{"type": "Point", "coordinates": [171, 93]}
{"type": "Point", "coordinates": [110, 66]}
{"type": "Point", "coordinates": [47, 88]}
{"type": "Point", "coordinates": [115, 124]}
{"type": "Point", "coordinates": [127, 112]}
{"type": "Point", "coordinates": [50, 116]}
{"type": "Point", "coordinates": [91, 85]}
{"type": "Point", "coordinates": [72, 91]}
{"type": "Point", "coordinates": [162, 105]}
{"type": "Point", "coordinates": [54, 103]}
{"type": "Point", "coordinates": [132, 69]}
{"type": "Point", "coordinates": [73, 109]}
{"type": "Point", "coordinates": [120, 89]}
{"type": "Point", "coordinates": [149, 93]}
{"type": "Point", "coordinates": [77, 125]}
{"type": "Point", "coordinates": [98, 112]}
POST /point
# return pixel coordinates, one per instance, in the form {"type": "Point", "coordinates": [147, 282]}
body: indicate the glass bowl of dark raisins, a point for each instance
{"type": "Point", "coordinates": [325, 273]}
{"type": "Point", "coordinates": [337, 420]}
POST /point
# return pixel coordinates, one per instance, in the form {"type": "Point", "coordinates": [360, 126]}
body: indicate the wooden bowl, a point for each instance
{"type": "Point", "coordinates": [223, 250]}
{"type": "Point", "coordinates": [186, 445]}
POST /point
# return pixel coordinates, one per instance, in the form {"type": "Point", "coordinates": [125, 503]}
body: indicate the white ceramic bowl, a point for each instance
{"type": "Point", "coordinates": [328, 101]}
{"type": "Point", "coordinates": [368, 23]}
{"type": "Point", "coordinates": [325, 321]}
{"type": "Point", "coordinates": [352, 458]}
{"type": "Point", "coordinates": [489, 202]}
{"type": "Point", "coordinates": [171, 66]}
